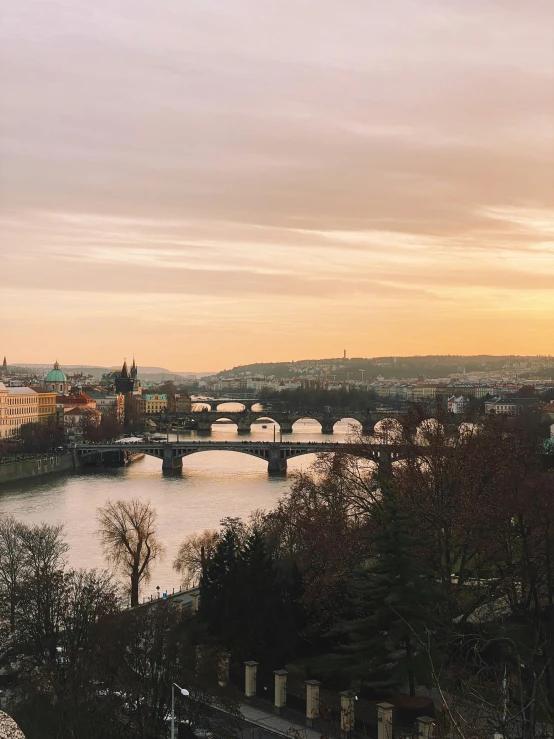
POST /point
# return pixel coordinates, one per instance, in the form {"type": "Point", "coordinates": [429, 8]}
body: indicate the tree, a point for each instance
{"type": "Point", "coordinates": [13, 566]}
{"type": "Point", "coordinates": [128, 535]}
{"type": "Point", "coordinates": [45, 548]}
{"type": "Point", "coordinates": [108, 429]}
{"type": "Point", "coordinates": [41, 437]}
{"type": "Point", "coordinates": [392, 600]}
{"type": "Point", "coordinates": [244, 601]}
{"type": "Point", "coordinates": [142, 652]}
{"type": "Point", "coordinates": [60, 670]}
{"type": "Point", "coordinates": [193, 554]}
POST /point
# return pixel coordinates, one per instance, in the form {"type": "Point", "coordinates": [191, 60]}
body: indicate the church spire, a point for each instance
{"type": "Point", "coordinates": [4, 365]}
{"type": "Point", "coordinates": [134, 369]}
{"type": "Point", "coordinates": [124, 370]}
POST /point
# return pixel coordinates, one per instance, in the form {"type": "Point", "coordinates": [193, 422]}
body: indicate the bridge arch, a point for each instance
{"type": "Point", "coordinates": [428, 429]}
{"type": "Point", "coordinates": [352, 424]}
{"type": "Point", "coordinates": [223, 406]}
{"type": "Point", "coordinates": [222, 422]}
{"type": "Point", "coordinates": [262, 421]}
{"type": "Point", "coordinates": [306, 424]}
{"type": "Point", "coordinates": [199, 406]}
{"type": "Point", "coordinates": [388, 430]}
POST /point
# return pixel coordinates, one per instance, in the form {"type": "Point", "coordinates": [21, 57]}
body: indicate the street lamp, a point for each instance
{"type": "Point", "coordinates": [184, 691]}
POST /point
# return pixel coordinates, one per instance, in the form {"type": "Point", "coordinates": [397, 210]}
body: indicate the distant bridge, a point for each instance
{"type": "Point", "coordinates": [276, 454]}
{"type": "Point", "coordinates": [203, 420]}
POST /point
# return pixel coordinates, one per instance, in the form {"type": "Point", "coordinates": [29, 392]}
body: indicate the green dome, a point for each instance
{"type": "Point", "coordinates": [56, 375]}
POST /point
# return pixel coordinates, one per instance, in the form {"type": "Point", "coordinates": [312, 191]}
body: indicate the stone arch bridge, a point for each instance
{"type": "Point", "coordinates": [203, 420]}
{"type": "Point", "coordinates": [276, 454]}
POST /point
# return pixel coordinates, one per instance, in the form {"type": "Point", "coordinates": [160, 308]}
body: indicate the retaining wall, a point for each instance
{"type": "Point", "coordinates": [12, 471]}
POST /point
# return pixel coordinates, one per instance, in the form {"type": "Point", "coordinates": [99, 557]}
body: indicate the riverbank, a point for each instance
{"type": "Point", "coordinates": [24, 469]}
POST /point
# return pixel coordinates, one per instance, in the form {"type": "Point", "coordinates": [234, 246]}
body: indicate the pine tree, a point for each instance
{"type": "Point", "coordinates": [391, 603]}
{"type": "Point", "coordinates": [243, 600]}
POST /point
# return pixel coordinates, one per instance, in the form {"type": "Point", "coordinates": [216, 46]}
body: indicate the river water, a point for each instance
{"type": "Point", "coordinates": [213, 485]}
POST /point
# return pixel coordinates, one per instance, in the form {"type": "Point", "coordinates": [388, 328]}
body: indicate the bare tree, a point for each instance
{"type": "Point", "coordinates": [128, 535]}
{"type": "Point", "coordinates": [44, 548]}
{"type": "Point", "coordinates": [13, 566]}
{"type": "Point", "coordinates": [193, 553]}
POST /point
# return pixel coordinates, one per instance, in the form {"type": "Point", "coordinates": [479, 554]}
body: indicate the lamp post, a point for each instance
{"type": "Point", "coordinates": [184, 691]}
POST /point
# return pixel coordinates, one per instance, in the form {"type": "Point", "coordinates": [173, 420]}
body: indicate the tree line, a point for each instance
{"type": "Point", "coordinates": [432, 573]}
{"type": "Point", "coordinates": [75, 662]}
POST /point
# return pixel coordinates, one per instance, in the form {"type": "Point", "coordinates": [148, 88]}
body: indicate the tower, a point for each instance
{"type": "Point", "coordinates": [56, 380]}
{"type": "Point", "coordinates": [4, 365]}
{"type": "Point", "coordinates": [124, 383]}
{"type": "Point", "coordinates": [134, 370]}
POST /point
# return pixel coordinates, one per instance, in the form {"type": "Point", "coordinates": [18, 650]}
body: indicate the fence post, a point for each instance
{"type": "Point", "coordinates": [384, 720]}
{"type": "Point", "coordinates": [312, 701]}
{"type": "Point", "coordinates": [223, 669]}
{"type": "Point", "coordinates": [425, 726]}
{"type": "Point", "coordinates": [347, 698]}
{"type": "Point", "coordinates": [250, 678]}
{"type": "Point", "coordinates": [280, 690]}
{"type": "Point", "coordinates": [195, 597]}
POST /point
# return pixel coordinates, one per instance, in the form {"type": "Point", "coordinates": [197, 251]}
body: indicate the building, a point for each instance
{"type": "Point", "coordinates": [107, 402]}
{"type": "Point", "coordinates": [46, 405]}
{"type": "Point", "coordinates": [79, 400]}
{"type": "Point", "coordinates": [81, 416]}
{"type": "Point", "coordinates": [475, 391]}
{"type": "Point", "coordinates": [425, 391]}
{"type": "Point", "coordinates": [3, 411]}
{"type": "Point", "coordinates": [183, 404]}
{"type": "Point", "coordinates": [457, 404]}
{"type": "Point", "coordinates": [512, 406]}
{"type": "Point", "coordinates": [56, 380]}
{"type": "Point", "coordinates": [150, 404]}
{"type": "Point", "coordinates": [20, 407]}
{"type": "Point", "coordinates": [126, 381]}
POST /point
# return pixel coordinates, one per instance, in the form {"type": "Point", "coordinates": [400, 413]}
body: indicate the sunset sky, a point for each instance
{"type": "Point", "coordinates": [208, 183]}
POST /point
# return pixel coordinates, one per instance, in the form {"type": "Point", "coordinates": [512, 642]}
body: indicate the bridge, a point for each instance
{"type": "Point", "coordinates": [276, 454]}
{"type": "Point", "coordinates": [203, 420]}
{"type": "Point", "coordinates": [247, 402]}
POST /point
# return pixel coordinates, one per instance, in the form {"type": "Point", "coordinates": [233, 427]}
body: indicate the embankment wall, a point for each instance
{"type": "Point", "coordinates": [13, 471]}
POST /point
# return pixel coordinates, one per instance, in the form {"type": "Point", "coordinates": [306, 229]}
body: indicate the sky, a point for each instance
{"type": "Point", "coordinates": [210, 183]}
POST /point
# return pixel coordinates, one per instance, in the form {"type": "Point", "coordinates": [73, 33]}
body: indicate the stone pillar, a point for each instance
{"type": "Point", "coordinates": [368, 428]}
{"type": "Point", "coordinates": [277, 464]}
{"type": "Point", "coordinates": [384, 720]}
{"type": "Point", "coordinates": [199, 654]}
{"type": "Point", "coordinates": [280, 690]}
{"type": "Point", "coordinates": [327, 424]}
{"type": "Point", "coordinates": [425, 726]}
{"type": "Point", "coordinates": [223, 669]}
{"type": "Point", "coordinates": [169, 461]}
{"type": "Point", "coordinates": [286, 426]}
{"type": "Point", "coordinates": [312, 701]}
{"type": "Point", "coordinates": [195, 598]}
{"type": "Point", "coordinates": [250, 678]}
{"type": "Point", "coordinates": [243, 424]}
{"type": "Point", "coordinates": [347, 698]}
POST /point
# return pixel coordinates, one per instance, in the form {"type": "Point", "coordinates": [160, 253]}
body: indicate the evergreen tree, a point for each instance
{"type": "Point", "coordinates": [219, 588]}
{"type": "Point", "coordinates": [391, 605]}
{"type": "Point", "coordinates": [244, 602]}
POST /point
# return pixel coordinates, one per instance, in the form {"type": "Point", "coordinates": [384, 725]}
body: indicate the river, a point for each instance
{"type": "Point", "coordinates": [213, 485]}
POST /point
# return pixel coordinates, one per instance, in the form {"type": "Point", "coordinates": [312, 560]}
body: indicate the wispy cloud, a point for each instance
{"type": "Point", "coordinates": [276, 178]}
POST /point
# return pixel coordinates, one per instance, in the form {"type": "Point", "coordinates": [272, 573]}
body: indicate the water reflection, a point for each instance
{"type": "Point", "coordinates": [212, 485]}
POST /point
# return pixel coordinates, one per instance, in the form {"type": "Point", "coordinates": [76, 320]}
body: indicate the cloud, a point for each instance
{"type": "Point", "coordinates": [325, 166]}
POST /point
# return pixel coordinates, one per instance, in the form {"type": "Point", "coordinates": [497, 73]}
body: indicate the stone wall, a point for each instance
{"type": "Point", "coordinates": [12, 471]}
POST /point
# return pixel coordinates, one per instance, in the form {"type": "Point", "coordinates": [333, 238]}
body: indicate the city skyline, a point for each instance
{"type": "Point", "coordinates": [217, 185]}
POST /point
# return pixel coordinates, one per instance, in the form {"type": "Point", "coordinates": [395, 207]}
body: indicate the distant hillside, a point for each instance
{"type": "Point", "coordinates": [397, 367]}
{"type": "Point", "coordinates": [151, 374]}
